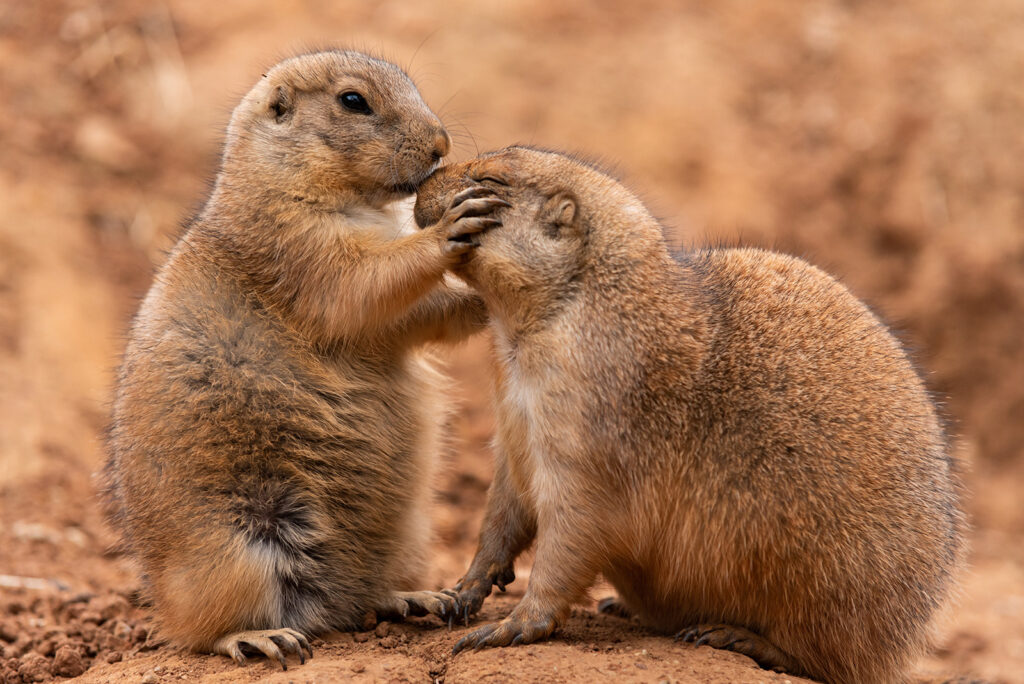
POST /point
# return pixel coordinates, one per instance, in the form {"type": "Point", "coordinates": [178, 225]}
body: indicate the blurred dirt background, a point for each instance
{"type": "Point", "coordinates": [882, 141]}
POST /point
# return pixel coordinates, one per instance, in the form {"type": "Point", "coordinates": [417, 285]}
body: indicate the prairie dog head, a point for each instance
{"type": "Point", "coordinates": [541, 239]}
{"type": "Point", "coordinates": [336, 127]}
{"type": "Point", "coordinates": [567, 222]}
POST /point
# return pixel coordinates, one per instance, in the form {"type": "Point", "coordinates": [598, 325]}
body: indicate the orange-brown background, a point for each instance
{"type": "Point", "coordinates": [883, 141]}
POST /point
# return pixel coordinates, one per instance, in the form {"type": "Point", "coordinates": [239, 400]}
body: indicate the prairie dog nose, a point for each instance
{"type": "Point", "coordinates": [442, 144]}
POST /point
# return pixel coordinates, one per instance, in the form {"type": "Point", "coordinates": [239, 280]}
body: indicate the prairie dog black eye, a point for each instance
{"type": "Point", "coordinates": [354, 102]}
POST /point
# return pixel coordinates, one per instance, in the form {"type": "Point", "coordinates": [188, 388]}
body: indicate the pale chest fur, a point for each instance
{"type": "Point", "coordinates": [385, 224]}
{"type": "Point", "coordinates": [540, 425]}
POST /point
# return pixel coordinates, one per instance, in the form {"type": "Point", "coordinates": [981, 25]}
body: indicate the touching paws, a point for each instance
{"type": "Point", "coordinates": [468, 215]}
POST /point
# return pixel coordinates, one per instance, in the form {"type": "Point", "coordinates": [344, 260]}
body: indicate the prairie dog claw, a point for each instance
{"type": "Point", "coordinates": [419, 603]}
{"type": "Point", "coordinates": [273, 643]}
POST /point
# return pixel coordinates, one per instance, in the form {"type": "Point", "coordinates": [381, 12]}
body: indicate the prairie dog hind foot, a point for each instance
{"type": "Point", "coordinates": [522, 626]}
{"type": "Point", "coordinates": [419, 603]}
{"type": "Point", "coordinates": [611, 605]}
{"type": "Point", "coordinates": [273, 643]}
{"type": "Point", "coordinates": [740, 640]}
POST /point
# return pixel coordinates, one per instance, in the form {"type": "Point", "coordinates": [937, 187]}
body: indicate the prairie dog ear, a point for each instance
{"type": "Point", "coordinates": [560, 213]}
{"type": "Point", "coordinates": [282, 103]}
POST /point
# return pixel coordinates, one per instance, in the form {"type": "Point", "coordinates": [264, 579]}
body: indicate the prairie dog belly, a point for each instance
{"type": "Point", "coordinates": [432, 410]}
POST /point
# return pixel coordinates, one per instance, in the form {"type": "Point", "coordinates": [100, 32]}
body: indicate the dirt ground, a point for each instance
{"type": "Point", "coordinates": [881, 141]}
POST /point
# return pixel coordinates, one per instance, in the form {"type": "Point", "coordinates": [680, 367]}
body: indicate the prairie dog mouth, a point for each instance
{"type": "Point", "coordinates": [410, 186]}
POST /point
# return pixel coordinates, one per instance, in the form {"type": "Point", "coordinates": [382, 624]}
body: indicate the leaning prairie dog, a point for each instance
{"type": "Point", "coordinates": [729, 436]}
{"type": "Point", "coordinates": [275, 422]}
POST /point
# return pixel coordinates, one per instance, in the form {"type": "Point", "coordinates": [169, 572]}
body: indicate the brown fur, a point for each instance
{"type": "Point", "coordinates": [730, 437]}
{"type": "Point", "coordinates": [275, 424]}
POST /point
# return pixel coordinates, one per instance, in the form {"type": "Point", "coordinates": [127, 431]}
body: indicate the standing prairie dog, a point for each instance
{"type": "Point", "coordinates": [275, 425]}
{"type": "Point", "coordinates": [730, 437]}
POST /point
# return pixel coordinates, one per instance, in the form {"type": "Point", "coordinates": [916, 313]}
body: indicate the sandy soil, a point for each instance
{"type": "Point", "coordinates": [881, 141]}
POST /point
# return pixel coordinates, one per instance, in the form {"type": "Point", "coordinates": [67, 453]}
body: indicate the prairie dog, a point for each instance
{"type": "Point", "coordinates": [275, 424]}
{"type": "Point", "coordinates": [729, 436]}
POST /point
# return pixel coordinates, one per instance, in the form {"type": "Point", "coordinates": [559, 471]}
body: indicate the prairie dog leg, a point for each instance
{"type": "Point", "coordinates": [442, 315]}
{"type": "Point", "coordinates": [562, 572]}
{"type": "Point", "coordinates": [509, 527]}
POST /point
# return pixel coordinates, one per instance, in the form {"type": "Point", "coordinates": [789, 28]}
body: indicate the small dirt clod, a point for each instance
{"type": "Point", "coordinates": [34, 668]}
{"type": "Point", "coordinates": [9, 631]}
{"type": "Point", "coordinates": [67, 662]}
